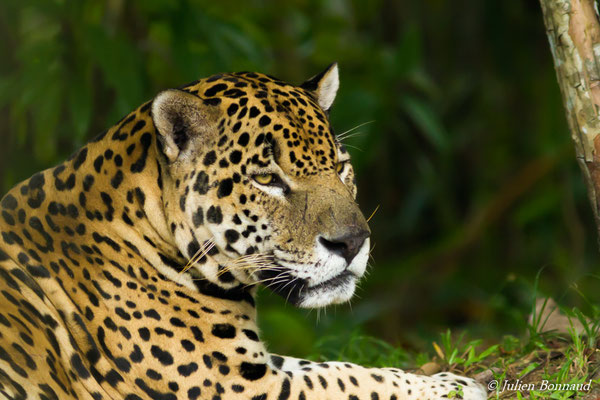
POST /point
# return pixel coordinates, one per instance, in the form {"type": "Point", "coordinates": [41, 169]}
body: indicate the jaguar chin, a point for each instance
{"type": "Point", "coordinates": [329, 281]}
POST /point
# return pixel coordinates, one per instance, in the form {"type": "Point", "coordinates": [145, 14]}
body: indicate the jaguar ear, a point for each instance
{"type": "Point", "coordinates": [181, 119]}
{"type": "Point", "coordinates": [324, 86]}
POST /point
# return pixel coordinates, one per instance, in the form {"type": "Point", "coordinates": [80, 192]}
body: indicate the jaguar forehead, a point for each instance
{"type": "Point", "coordinates": [288, 115]}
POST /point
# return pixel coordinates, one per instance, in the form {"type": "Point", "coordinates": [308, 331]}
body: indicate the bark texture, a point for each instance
{"type": "Point", "coordinates": [573, 30]}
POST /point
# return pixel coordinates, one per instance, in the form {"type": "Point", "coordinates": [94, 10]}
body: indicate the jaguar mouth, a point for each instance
{"type": "Point", "coordinates": [298, 292]}
{"type": "Point", "coordinates": [338, 280]}
{"type": "Point", "coordinates": [336, 290]}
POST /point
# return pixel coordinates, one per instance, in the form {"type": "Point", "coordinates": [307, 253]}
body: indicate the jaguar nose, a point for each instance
{"type": "Point", "coordinates": [348, 245]}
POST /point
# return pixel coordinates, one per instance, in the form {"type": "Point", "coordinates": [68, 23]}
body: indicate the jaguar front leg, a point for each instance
{"type": "Point", "coordinates": [303, 379]}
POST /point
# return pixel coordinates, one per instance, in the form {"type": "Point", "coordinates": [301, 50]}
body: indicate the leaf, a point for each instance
{"type": "Point", "coordinates": [537, 206]}
{"type": "Point", "coordinates": [528, 369]}
{"type": "Point", "coordinates": [487, 352]}
{"type": "Point", "coordinates": [438, 350]}
{"type": "Point", "coordinates": [427, 120]}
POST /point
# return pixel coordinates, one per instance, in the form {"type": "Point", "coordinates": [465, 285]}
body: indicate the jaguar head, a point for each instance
{"type": "Point", "coordinates": [257, 189]}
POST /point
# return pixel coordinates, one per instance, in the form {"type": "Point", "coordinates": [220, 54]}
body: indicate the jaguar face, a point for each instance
{"type": "Point", "coordinates": [258, 185]}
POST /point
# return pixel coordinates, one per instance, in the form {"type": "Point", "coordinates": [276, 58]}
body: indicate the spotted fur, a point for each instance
{"type": "Point", "coordinates": [129, 271]}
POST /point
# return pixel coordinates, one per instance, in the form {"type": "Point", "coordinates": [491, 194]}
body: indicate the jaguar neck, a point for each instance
{"type": "Point", "coordinates": [131, 172]}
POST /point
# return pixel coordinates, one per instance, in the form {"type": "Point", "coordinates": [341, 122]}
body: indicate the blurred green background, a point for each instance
{"type": "Point", "coordinates": [465, 151]}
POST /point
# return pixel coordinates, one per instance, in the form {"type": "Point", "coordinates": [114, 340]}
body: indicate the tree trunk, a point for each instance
{"type": "Point", "coordinates": [573, 30]}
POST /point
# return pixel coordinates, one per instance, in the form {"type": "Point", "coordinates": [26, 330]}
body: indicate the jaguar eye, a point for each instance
{"type": "Point", "coordinates": [339, 167]}
{"type": "Point", "coordinates": [264, 179]}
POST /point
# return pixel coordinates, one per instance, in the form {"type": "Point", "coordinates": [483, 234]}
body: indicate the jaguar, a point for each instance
{"type": "Point", "coordinates": [130, 270]}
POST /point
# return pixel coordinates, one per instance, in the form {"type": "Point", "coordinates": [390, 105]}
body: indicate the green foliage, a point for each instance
{"type": "Point", "coordinates": [556, 359]}
{"type": "Point", "coordinates": [454, 353]}
{"type": "Point", "coordinates": [468, 157]}
{"type": "Point", "coordinates": [358, 348]}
